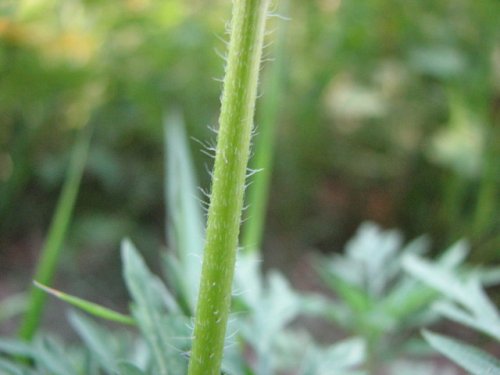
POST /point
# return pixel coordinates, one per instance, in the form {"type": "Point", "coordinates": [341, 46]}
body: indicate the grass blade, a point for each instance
{"type": "Point", "coordinates": [87, 306]}
{"type": "Point", "coordinates": [51, 251]}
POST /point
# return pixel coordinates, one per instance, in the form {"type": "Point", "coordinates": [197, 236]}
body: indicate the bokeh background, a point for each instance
{"type": "Point", "coordinates": [389, 111]}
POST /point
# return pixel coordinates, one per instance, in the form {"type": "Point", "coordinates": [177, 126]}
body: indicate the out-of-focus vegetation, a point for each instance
{"type": "Point", "coordinates": [390, 112]}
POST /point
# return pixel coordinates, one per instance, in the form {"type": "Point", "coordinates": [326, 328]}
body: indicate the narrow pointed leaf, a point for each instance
{"type": "Point", "coordinates": [52, 248]}
{"type": "Point", "coordinates": [87, 306]}
{"type": "Point", "coordinates": [452, 312]}
{"type": "Point", "coordinates": [185, 220]}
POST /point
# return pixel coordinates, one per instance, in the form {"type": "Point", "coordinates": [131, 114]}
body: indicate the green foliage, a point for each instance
{"type": "Point", "coordinates": [465, 303]}
{"type": "Point", "coordinates": [376, 104]}
{"type": "Point", "coordinates": [376, 299]}
{"type": "Point", "coordinates": [356, 117]}
{"type": "Point", "coordinates": [260, 324]}
{"type": "Point", "coordinates": [156, 314]}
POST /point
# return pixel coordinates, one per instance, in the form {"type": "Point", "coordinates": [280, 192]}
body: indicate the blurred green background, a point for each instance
{"type": "Point", "coordinates": [390, 112]}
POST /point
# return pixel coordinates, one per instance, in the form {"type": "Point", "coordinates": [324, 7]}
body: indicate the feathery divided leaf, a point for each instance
{"type": "Point", "coordinates": [157, 317]}
{"type": "Point", "coordinates": [99, 341]}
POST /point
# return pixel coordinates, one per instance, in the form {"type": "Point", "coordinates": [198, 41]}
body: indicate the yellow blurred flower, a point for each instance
{"type": "Point", "coordinates": [71, 46]}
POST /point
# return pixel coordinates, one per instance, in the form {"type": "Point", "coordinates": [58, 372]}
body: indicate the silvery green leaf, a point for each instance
{"type": "Point", "coordinates": [127, 368]}
{"type": "Point", "coordinates": [477, 301]}
{"type": "Point", "coordinates": [317, 305]}
{"type": "Point", "coordinates": [453, 312]}
{"type": "Point", "coordinates": [174, 274]}
{"type": "Point", "coordinates": [248, 279]}
{"type": "Point", "coordinates": [466, 290]}
{"type": "Point", "coordinates": [280, 306]}
{"type": "Point", "coordinates": [185, 224]}
{"type": "Point", "coordinates": [14, 368]}
{"type": "Point", "coordinates": [52, 356]}
{"type": "Point", "coordinates": [407, 298]}
{"type": "Point", "coordinates": [454, 255]}
{"type": "Point", "coordinates": [490, 276]}
{"type": "Point", "coordinates": [98, 340]}
{"type": "Point", "coordinates": [15, 348]}
{"type": "Point", "coordinates": [233, 362]}
{"type": "Point", "coordinates": [470, 358]}
{"type": "Point", "coordinates": [376, 251]}
{"type": "Point", "coordinates": [436, 276]}
{"type": "Point", "coordinates": [166, 334]}
{"type": "Point", "coordinates": [339, 359]}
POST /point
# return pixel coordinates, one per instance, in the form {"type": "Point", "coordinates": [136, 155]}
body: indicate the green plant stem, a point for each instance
{"type": "Point", "coordinates": [51, 251]}
{"type": "Point", "coordinates": [228, 185]}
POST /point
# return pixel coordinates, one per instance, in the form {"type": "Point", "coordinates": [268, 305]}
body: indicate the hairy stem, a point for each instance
{"type": "Point", "coordinates": [228, 185]}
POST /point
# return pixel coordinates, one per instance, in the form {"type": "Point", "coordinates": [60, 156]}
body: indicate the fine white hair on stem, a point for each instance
{"type": "Point", "coordinates": [248, 184]}
{"type": "Point", "coordinates": [204, 205]}
{"type": "Point", "coordinates": [204, 192]}
{"type": "Point", "coordinates": [222, 55]}
{"type": "Point", "coordinates": [251, 172]}
{"type": "Point", "coordinates": [267, 34]}
{"type": "Point", "coordinates": [207, 147]}
{"type": "Point", "coordinates": [222, 39]}
{"type": "Point", "coordinates": [209, 171]}
{"type": "Point", "coordinates": [213, 129]}
{"type": "Point", "coordinates": [273, 14]}
{"type": "Point", "coordinates": [191, 324]}
{"type": "Point", "coordinates": [231, 335]}
{"type": "Point", "coordinates": [227, 27]}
